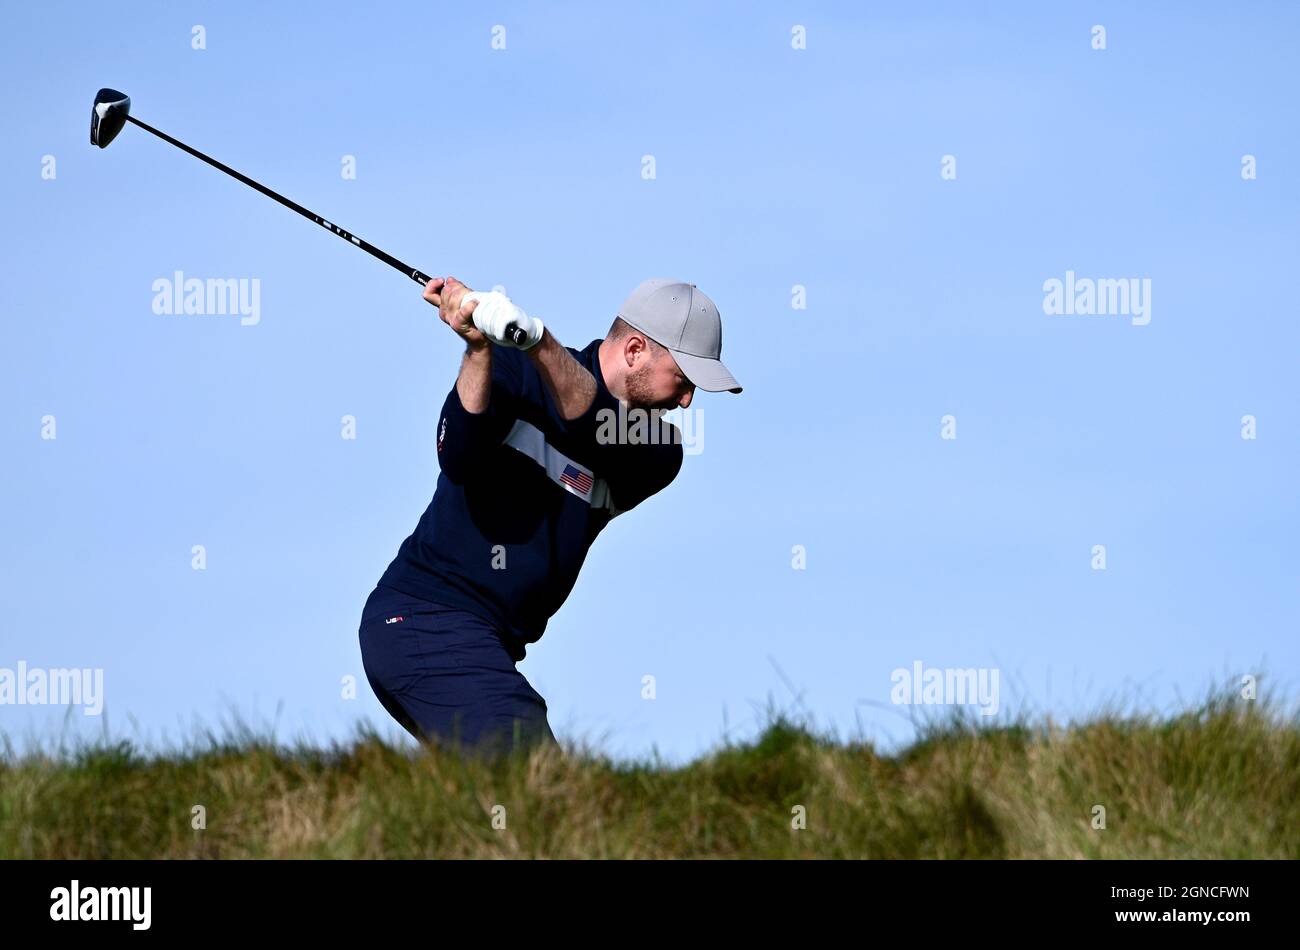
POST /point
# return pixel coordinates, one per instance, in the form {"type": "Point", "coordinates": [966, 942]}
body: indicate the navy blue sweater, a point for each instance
{"type": "Point", "coordinates": [521, 496]}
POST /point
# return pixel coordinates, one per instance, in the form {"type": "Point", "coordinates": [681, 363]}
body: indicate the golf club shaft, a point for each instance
{"type": "Point", "coordinates": [384, 256]}
{"type": "Point", "coordinates": [420, 278]}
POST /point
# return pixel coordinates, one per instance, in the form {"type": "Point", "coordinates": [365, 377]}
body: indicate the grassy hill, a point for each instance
{"type": "Point", "coordinates": [1218, 781]}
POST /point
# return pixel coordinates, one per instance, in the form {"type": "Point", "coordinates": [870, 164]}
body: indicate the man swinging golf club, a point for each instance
{"type": "Point", "coordinates": [528, 479]}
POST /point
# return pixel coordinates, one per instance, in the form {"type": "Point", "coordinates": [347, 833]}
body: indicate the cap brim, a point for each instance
{"type": "Point", "coordinates": [709, 375]}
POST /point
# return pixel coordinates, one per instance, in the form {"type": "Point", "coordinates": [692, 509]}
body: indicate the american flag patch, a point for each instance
{"type": "Point", "coordinates": [577, 480]}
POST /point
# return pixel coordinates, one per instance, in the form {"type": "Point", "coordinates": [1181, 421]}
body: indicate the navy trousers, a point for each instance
{"type": "Point", "coordinates": [448, 676]}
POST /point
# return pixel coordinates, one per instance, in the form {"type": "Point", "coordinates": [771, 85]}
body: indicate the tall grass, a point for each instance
{"type": "Point", "coordinates": [1221, 780]}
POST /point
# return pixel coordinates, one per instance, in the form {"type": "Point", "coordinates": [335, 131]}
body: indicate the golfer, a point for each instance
{"type": "Point", "coordinates": [534, 464]}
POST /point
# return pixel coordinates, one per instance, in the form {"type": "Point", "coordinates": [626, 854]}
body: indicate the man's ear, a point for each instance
{"type": "Point", "coordinates": [635, 344]}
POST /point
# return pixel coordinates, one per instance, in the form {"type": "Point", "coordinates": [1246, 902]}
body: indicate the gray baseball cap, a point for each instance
{"type": "Point", "coordinates": [680, 317]}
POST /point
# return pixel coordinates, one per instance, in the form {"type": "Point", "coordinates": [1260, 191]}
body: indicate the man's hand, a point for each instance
{"type": "Point", "coordinates": [447, 295]}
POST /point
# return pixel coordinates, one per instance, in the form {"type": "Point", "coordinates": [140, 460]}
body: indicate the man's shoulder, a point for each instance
{"type": "Point", "coordinates": [654, 442]}
{"type": "Point", "coordinates": [647, 466]}
{"type": "Point", "coordinates": [587, 354]}
{"type": "Point", "coordinates": [673, 457]}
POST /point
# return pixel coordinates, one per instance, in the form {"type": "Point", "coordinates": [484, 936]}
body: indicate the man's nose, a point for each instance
{"type": "Point", "coordinates": [686, 400]}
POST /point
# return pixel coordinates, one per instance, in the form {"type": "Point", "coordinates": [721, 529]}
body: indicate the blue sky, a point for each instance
{"type": "Point", "coordinates": [774, 167]}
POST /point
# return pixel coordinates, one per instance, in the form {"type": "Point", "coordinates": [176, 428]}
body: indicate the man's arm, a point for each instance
{"type": "Point", "coordinates": [474, 382]}
{"type": "Point", "coordinates": [479, 410]}
{"type": "Point", "coordinates": [572, 387]}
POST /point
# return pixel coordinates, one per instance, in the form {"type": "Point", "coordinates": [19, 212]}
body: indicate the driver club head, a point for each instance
{"type": "Point", "coordinates": [108, 115]}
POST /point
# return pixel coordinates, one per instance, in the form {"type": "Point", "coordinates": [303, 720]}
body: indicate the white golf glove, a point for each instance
{"type": "Point", "coordinates": [495, 312]}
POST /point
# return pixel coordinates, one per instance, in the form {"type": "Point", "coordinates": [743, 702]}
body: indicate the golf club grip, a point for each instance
{"type": "Point", "coordinates": [516, 335]}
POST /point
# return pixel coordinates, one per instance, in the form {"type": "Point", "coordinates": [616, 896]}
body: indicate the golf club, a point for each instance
{"type": "Point", "coordinates": [112, 110]}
